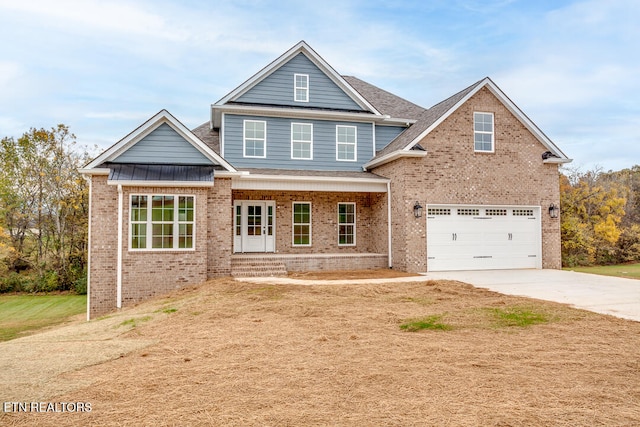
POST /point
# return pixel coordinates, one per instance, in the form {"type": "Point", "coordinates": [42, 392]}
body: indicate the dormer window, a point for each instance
{"type": "Point", "coordinates": [483, 140]}
{"type": "Point", "coordinates": [301, 87]}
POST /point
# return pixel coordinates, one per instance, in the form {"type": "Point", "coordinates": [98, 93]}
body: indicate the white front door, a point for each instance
{"type": "Point", "coordinates": [254, 226]}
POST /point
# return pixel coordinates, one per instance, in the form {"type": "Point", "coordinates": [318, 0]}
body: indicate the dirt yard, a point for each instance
{"type": "Point", "coordinates": [231, 353]}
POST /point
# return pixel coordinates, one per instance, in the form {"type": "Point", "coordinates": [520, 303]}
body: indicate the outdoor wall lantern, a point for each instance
{"type": "Point", "coordinates": [417, 210]}
{"type": "Point", "coordinates": [554, 210]}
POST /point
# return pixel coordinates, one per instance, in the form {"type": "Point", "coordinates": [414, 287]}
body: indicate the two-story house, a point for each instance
{"type": "Point", "coordinates": [301, 168]}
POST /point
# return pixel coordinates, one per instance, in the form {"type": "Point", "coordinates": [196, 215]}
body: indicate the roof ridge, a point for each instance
{"type": "Point", "coordinates": [384, 101]}
{"type": "Point", "coordinates": [459, 93]}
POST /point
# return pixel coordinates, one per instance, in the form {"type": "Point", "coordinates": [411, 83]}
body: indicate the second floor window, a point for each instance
{"type": "Point", "coordinates": [302, 141]}
{"type": "Point", "coordinates": [346, 139]}
{"type": "Point", "coordinates": [483, 132]}
{"type": "Point", "coordinates": [301, 87]}
{"type": "Point", "coordinates": [255, 138]}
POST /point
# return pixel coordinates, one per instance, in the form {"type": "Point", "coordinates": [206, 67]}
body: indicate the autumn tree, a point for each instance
{"type": "Point", "coordinates": [43, 202]}
{"type": "Point", "coordinates": [593, 208]}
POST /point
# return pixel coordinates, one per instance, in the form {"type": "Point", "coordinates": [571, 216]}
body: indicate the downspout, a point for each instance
{"type": "Point", "coordinates": [90, 179]}
{"type": "Point", "coordinates": [389, 224]}
{"type": "Point", "coordinates": [119, 262]}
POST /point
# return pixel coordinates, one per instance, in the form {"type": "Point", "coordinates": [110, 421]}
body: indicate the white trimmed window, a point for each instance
{"type": "Point", "coordinates": [346, 139]}
{"type": "Point", "coordinates": [162, 222]}
{"type": "Point", "coordinates": [254, 139]}
{"type": "Point", "coordinates": [346, 224]}
{"type": "Point", "coordinates": [301, 87]}
{"type": "Point", "coordinates": [301, 224]}
{"type": "Point", "coordinates": [483, 136]}
{"type": "Point", "coordinates": [302, 141]}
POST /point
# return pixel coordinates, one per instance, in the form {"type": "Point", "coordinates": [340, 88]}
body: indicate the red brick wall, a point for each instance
{"type": "Point", "coordinates": [453, 173]}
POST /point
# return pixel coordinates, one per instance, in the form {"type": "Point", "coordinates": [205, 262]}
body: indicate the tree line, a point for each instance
{"type": "Point", "coordinates": [600, 216]}
{"type": "Point", "coordinates": [44, 213]}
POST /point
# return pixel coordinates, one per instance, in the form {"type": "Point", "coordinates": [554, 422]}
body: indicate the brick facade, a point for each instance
{"type": "Point", "coordinates": [149, 273]}
{"type": "Point", "coordinates": [452, 173]}
{"type": "Point", "coordinates": [371, 229]}
{"type": "Point", "coordinates": [103, 240]}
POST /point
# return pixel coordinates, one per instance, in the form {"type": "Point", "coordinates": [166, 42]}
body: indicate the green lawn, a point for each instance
{"type": "Point", "coordinates": [631, 271]}
{"type": "Point", "coordinates": [22, 313]}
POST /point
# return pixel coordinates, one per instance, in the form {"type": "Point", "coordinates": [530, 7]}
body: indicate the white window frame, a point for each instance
{"type": "Point", "coordinates": [483, 132]}
{"type": "Point", "coordinates": [353, 224]}
{"type": "Point", "coordinates": [294, 223]}
{"type": "Point", "coordinates": [354, 144]}
{"type": "Point", "coordinates": [304, 88]}
{"type": "Point", "coordinates": [244, 139]}
{"type": "Point", "coordinates": [149, 222]}
{"type": "Point", "coordinates": [301, 141]}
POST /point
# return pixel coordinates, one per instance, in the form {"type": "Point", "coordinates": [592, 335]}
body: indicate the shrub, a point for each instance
{"type": "Point", "coordinates": [80, 285]}
{"type": "Point", "coordinates": [14, 282]}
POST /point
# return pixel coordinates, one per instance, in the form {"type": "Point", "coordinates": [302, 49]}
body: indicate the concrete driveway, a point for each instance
{"type": "Point", "coordinates": [601, 294]}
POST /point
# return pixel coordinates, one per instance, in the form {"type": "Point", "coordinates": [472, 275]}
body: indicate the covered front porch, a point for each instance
{"type": "Point", "coordinates": [309, 222]}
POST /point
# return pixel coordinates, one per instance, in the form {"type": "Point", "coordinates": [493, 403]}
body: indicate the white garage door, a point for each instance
{"type": "Point", "coordinates": [483, 237]}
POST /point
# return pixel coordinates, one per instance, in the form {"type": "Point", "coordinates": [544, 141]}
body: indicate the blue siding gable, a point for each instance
{"type": "Point", "coordinates": [278, 147]}
{"type": "Point", "coordinates": [277, 88]}
{"type": "Point", "coordinates": [386, 134]}
{"type": "Point", "coordinates": [163, 146]}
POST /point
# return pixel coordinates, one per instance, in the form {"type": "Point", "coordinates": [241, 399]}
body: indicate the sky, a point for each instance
{"type": "Point", "coordinates": [104, 67]}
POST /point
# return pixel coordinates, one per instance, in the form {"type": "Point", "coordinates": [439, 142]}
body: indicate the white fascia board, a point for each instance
{"type": "Point", "coordinates": [442, 118]}
{"type": "Point", "coordinates": [149, 126]}
{"type": "Point", "coordinates": [308, 183]}
{"type": "Point", "coordinates": [138, 183]}
{"type": "Point", "coordinates": [487, 82]}
{"type": "Point", "coordinates": [557, 160]}
{"type": "Point", "coordinates": [393, 156]}
{"type": "Point", "coordinates": [286, 112]}
{"type": "Point", "coordinates": [95, 171]}
{"type": "Point", "coordinates": [122, 145]}
{"type": "Point", "coordinates": [526, 121]}
{"type": "Point", "coordinates": [227, 174]}
{"type": "Point", "coordinates": [300, 47]}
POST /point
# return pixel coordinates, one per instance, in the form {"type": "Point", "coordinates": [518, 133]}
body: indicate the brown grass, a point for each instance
{"type": "Point", "coordinates": [230, 353]}
{"type": "Point", "coordinates": [349, 275]}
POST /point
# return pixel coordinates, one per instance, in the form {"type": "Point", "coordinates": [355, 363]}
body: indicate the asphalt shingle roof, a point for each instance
{"type": "Point", "coordinates": [424, 120]}
{"type": "Point", "coordinates": [209, 136]}
{"type": "Point", "coordinates": [385, 102]}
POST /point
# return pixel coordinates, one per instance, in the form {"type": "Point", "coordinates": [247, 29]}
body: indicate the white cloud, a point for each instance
{"type": "Point", "coordinates": [112, 16]}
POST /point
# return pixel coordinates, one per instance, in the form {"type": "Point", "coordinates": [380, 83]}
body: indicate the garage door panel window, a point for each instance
{"type": "Point", "coordinates": [438, 211]}
{"type": "Point", "coordinates": [523, 212]}
{"type": "Point", "coordinates": [469, 212]}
